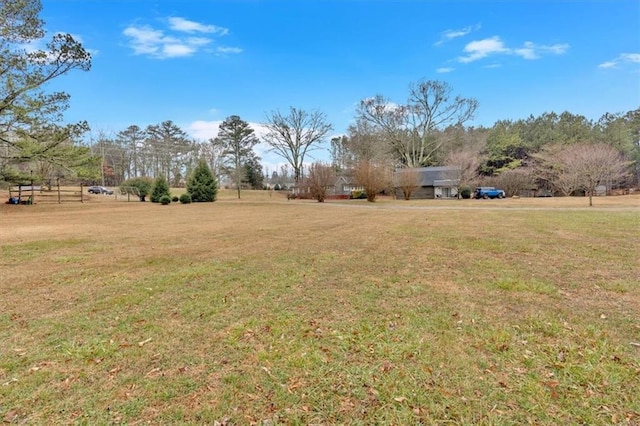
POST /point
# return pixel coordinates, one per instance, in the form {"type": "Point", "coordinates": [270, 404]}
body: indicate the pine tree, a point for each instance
{"type": "Point", "coordinates": [160, 188]}
{"type": "Point", "coordinates": [202, 186]}
{"type": "Point", "coordinates": [31, 130]}
{"type": "Point", "coordinates": [238, 139]}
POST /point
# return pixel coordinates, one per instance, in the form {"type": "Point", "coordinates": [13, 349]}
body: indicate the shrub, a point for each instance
{"type": "Point", "coordinates": [185, 199]}
{"type": "Point", "coordinates": [321, 178]}
{"type": "Point", "coordinates": [160, 189]}
{"type": "Point", "coordinates": [374, 177]}
{"type": "Point", "coordinates": [165, 199]}
{"type": "Point", "coordinates": [465, 192]}
{"type": "Point", "coordinates": [140, 186]}
{"type": "Point", "coordinates": [175, 199]}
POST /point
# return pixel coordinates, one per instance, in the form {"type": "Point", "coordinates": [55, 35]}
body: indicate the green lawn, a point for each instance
{"type": "Point", "coordinates": [263, 311]}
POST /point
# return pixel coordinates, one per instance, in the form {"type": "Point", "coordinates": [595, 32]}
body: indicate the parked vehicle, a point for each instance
{"type": "Point", "coordinates": [488, 192]}
{"type": "Point", "coordinates": [99, 190]}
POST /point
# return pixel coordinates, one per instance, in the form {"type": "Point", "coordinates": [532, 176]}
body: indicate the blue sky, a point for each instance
{"type": "Point", "coordinates": [195, 62]}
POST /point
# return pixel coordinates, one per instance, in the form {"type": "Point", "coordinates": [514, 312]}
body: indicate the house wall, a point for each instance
{"type": "Point", "coordinates": [422, 193]}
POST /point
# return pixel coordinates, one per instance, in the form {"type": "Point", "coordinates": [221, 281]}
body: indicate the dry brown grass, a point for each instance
{"type": "Point", "coordinates": [471, 311]}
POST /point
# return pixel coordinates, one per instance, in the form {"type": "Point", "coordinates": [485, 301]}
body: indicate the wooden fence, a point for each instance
{"type": "Point", "coordinates": [34, 194]}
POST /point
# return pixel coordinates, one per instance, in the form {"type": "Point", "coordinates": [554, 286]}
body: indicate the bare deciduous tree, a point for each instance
{"type": "Point", "coordinates": [212, 151]}
{"type": "Point", "coordinates": [408, 180]}
{"type": "Point", "coordinates": [582, 166]}
{"type": "Point", "coordinates": [292, 136]}
{"type": "Point", "coordinates": [321, 177]}
{"type": "Point", "coordinates": [367, 143]}
{"type": "Point", "coordinates": [410, 129]}
{"type": "Point", "coordinates": [514, 180]}
{"type": "Point", "coordinates": [464, 165]}
{"type": "Point", "coordinates": [550, 170]}
{"type": "Point", "coordinates": [373, 177]}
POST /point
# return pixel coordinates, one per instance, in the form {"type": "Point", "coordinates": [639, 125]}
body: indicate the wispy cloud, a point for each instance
{"type": "Point", "coordinates": [621, 59]}
{"type": "Point", "coordinates": [228, 50]}
{"type": "Point", "coordinates": [445, 70]}
{"type": "Point", "coordinates": [185, 25]}
{"type": "Point", "coordinates": [482, 48]}
{"type": "Point", "coordinates": [448, 35]}
{"type": "Point", "coordinates": [492, 46]}
{"type": "Point", "coordinates": [181, 38]}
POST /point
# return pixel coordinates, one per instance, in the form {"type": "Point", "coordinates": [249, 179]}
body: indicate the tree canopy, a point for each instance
{"type": "Point", "coordinates": [29, 116]}
{"type": "Point", "coordinates": [292, 136]}
{"type": "Point", "coordinates": [237, 139]}
{"type": "Point", "coordinates": [410, 128]}
{"type": "Point", "coordinates": [202, 185]}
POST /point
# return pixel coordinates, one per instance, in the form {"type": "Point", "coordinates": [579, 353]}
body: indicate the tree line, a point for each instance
{"type": "Point", "coordinates": [429, 128]}
{"type": "Point", "coordinates": [559, 153]}
{"type": "Point", "coordinates": [166, 150]}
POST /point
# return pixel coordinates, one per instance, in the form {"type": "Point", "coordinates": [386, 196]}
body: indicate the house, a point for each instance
{"type": "Point", "coordinates": [344, 186]}
{"type": "Point", "coordinates": [431, 182]}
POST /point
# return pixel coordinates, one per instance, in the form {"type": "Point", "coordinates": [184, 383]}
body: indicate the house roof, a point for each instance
{"type": "Point", "coordinates": [435, 176]}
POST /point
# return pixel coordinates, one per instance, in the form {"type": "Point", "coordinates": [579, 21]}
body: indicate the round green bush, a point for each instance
{"type": "Point", "coordinates": [185, 198]}
{"type": "Point", "coordinates": [165, 199]}
{"type": "Point", "coordinates": [465, 192]}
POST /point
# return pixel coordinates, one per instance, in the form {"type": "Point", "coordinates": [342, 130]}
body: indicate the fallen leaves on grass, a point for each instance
{"type": "Point", "coordinates": [144, 342]}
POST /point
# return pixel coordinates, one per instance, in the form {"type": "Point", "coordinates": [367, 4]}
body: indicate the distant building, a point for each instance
{"type": "Point", "coordinates": [432, 182]}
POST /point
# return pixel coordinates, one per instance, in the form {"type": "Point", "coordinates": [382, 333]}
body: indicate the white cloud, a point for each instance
{"type": "Point", "coordinates": [444, 70]}
{"type": "Point", "coordinates": [185, 25]}
{"type": "Point", "coordinates": [144, 40]}
{"type": "Point", "coordinates": [452, 34]}
{"type": "Point", "coordinates": [480, 49]}
{"type": "Point", "coordinates": [608, 64]}
{"type": "Point", "coordinates": [631, 57]}
{"type": "Point", "coordinates": [228, 50]}
{"type": "Point", "coordinates": [198, 41]}
{"type": "Point", "coordinates": [556, 49]}
{"type": "Point", "coordinates": [621, 59]}
{"type": "Point", "coordinates": [181, 38]}
{"type": "Point", "coordinates": [204, 130]}
{"type": "Point", "coordinates": [528, 51]}
{"type": "Point", "coordinates": [177, 50]}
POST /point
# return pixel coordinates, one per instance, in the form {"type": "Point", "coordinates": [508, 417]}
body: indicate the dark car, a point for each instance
{"type": "Point", "coordinates": [99, 190]}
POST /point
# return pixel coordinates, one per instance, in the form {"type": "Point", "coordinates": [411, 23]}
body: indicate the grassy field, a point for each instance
{"type": "Point", "coordinates": [266, 311]}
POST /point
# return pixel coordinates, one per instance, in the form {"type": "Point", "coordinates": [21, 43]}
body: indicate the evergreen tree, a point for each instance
{"type": "Point", "coordinates": [238, 139]}
{"type": "Point", "coordinates": [160, 188]}
{"type": "Point", "coordinates": [30, 128]}
{"type": "Point", "coordinates": [202, 186]}
{"type": "Point", "coordinates": [253, 172]}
